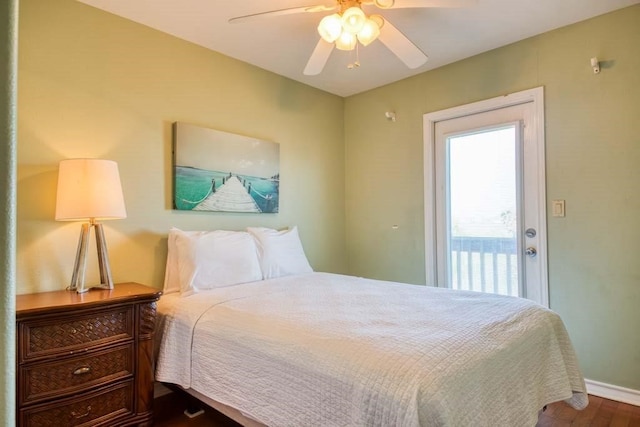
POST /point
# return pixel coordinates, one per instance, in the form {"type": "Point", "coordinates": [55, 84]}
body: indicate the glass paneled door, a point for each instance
{"type": "Point", "coordinates": [481, 212]}
{"type": "Point", "coordinates": [486, 228]}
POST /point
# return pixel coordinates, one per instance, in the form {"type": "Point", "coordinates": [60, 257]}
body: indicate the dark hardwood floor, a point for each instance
{"type": "Point", "coordinates": [600, 413]}
{"type": "Point", "coordinates": [168, 412]}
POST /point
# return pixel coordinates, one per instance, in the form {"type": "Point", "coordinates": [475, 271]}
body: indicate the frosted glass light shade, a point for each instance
{"type": "Point", "coordinates": [330, 28]}
{"type": "Point", "coordinates": [369, 32]}
{"type": "Point", "coordinates": [384, 4]}
{"type": "Point", "coordinates": [89, 189]}
{"type": "Point", "coordinates": [346, 41]}
{"type": "Point", "coordinates": [353, 20]}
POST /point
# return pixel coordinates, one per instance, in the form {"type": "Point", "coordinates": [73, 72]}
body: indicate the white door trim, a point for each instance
{"type": "Point", "coordinates": [535, 96]}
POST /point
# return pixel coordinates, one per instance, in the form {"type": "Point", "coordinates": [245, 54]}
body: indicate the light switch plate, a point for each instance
{"type": "Point", "coordinates": [557, 207]}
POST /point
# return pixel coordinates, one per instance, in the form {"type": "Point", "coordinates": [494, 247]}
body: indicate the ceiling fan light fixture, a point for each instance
{"type": "Point", "coordinates": [370, 31]}
{"type": "Point", "coordinates": [384, 4]}
{"type": "Point", "coordinates": [330, 28]}
{"type": "Point", "coordinates": [379, 20]}
{"type": "Point", "coordinates": [353, 19]}
{"type": "Point", "coordinates": [346, 41]}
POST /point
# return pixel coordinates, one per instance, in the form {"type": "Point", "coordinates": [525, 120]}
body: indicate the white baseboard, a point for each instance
{"type": "Point", "coordinates": [613, 392]}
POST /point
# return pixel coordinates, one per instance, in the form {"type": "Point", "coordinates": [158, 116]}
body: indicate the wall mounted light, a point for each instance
{"type": "Point", "coordinates": [89, 189]}
{"type": "Point", "coordinates": [595, 64]}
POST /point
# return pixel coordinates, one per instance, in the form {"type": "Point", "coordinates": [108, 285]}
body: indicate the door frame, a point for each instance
{"type": "Point", "coordinates": [535, 96]}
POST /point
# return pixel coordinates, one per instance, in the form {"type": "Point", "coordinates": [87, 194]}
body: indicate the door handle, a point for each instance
{"type": "Point", "coordinates": [531, 252]}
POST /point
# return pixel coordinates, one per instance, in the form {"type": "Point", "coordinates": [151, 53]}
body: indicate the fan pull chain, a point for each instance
{"type": "Point", "coordinates": [356, 63]}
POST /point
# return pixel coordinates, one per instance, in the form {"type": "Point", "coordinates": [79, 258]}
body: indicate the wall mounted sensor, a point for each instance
{"type": "Point", "coordinates": [595, 64]}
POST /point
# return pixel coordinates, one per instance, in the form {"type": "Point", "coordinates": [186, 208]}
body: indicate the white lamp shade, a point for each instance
{"type": "Point", "coordinates": [89, 188]}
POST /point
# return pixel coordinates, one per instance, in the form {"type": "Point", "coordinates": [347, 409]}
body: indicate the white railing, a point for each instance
{"type": "Point", "coordinates": [484, 264]}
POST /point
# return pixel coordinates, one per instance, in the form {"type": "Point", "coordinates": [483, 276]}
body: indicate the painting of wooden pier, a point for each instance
{"type": "Point", "coordinates": [224, 172]}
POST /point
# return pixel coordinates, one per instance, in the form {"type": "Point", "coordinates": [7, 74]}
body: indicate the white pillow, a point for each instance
{"type": "Point", "coordinates": [215, 259]}
{"type": "Point", "coordinates": [280, 252]}
{"type": "Point", "coordinates": [171, 278]}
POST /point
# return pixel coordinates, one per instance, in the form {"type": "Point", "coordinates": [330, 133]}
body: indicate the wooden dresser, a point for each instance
{"type": "Point", "coordinates": [86, 359]}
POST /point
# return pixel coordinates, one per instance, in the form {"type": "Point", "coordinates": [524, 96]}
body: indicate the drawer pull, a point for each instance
{"type": "Point", "coordinates": [78, 416]}
{"type": "Point", "coordinates": [81, 371]}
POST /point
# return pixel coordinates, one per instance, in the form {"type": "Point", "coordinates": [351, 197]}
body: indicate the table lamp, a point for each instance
{"type": "Point", "coordinates": [89, 189]}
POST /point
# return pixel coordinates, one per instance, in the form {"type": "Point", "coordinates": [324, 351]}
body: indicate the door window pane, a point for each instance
{"type": "Point", "coordinates": [482, 211]}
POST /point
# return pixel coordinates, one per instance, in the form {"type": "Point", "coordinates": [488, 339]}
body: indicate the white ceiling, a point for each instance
{"type": "Point", "coordinates": [283, 44]}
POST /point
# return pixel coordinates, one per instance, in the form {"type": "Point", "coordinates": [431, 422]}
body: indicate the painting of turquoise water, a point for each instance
{"type": "Point", "coordinates": [224, 172]}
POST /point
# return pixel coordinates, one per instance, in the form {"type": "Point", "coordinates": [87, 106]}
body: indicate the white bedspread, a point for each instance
{"type": "Point", "coordinates": [328, 350]}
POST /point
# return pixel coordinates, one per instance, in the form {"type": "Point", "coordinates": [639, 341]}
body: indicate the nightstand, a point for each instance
{"type": "Point", "coordinates": [86, 359]}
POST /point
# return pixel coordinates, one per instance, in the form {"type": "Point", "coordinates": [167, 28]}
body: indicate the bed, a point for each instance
{"type": "Point", "coordinates": [302, 348]}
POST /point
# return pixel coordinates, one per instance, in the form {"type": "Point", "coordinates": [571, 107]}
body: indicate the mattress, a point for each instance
{"type": "Point", "coordinates": [323, 349]}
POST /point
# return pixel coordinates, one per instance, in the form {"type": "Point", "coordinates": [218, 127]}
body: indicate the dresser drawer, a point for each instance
{"type": "Point", "coordinates": [101, 408]}
{"type": "Point", "coordinates": [73, 334]}
{"type": "Point", "coordinates": [62, 377]}
{"type": "Point", "coordinates": [85, 359]}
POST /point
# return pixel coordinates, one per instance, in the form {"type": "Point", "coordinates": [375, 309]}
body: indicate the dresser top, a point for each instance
{"type": "Point", "coordinates": [29, 304]}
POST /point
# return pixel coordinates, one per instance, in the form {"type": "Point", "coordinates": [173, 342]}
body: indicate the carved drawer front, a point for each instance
{"type": "Point", "coordinates": [62, 377]}
{"type": "Point", "coordinates": [74, 333]}
{"type": "Point", "coordinates": [95, 409]}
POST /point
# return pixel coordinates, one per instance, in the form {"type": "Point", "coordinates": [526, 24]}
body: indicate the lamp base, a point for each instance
{"type": "Point", "coordinates": [77, 279]}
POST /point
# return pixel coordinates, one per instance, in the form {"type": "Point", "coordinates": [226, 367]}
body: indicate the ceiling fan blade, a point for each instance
{"type": "Point", "coordinates": [405, 4]}
{"type": "Point", "coordinates": [401, 46]}
{"type": "Point", "coordinates": [319, 58]}
{"type": "Point", "coordinates": [326, 7]}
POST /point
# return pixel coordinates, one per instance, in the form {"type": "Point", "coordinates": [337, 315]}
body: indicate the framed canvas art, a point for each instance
{"type": "Point", "coordinates": [224, 172]}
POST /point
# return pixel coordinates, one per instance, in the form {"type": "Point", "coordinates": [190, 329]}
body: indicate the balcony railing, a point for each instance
{"type": "Point", "coordinates": [484, 264]}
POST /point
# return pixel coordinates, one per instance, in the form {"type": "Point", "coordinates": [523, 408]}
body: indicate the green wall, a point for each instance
{"type": "Point", "coordinates": [95, 85]}
{"type": "Point", "coordinates": [8, 110]}
{"type": "Point", "coordinates": [593, 162]}
{"type": "Point", "coordinates": [8, 124]}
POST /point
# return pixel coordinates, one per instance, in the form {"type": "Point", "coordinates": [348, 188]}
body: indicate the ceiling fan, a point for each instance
{"type": "Point", "coordinates": [348, 25]}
